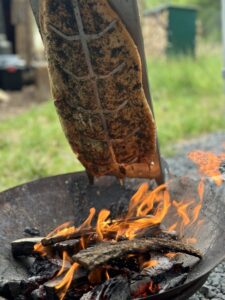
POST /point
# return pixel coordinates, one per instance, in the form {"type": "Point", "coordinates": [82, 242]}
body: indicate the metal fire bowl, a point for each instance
{"type": "Point", "coordinates": [49, 202]}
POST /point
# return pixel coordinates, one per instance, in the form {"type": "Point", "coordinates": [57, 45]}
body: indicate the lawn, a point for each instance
{"type": "Point", "coordinates": [188, 97]}
{"type": "Point", "coordinates": [188, 101]}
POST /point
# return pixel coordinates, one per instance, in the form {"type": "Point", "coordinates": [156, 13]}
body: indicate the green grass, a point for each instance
{"type": "Point", "coordinates": [188, 101]}
{"type": "Point", "coordinates": [188, 97]}
{"type": "Point", "coordinates": [32, 145]}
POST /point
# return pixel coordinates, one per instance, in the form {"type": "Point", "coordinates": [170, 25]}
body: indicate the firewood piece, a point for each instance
{"type": "Point", "coordinates": [92, 257]}
{"type": "Point", "coordinates": [49, 287]}
{"type": "Point", "coordinates": [113, 289]}
{"type": "Point", "coordinates": [13, 289]}
{"type": "Point", "coordinates": [139, 284]}
{"type": "Point", "coordinates": [48, 241]}
{"type": "Point", "coordinates": [70, 246]}
{"type": "Point", "coordinates": [24, 247]}
{"type": "Point", "coordinates": [47, 268]}
{"type": "Point", "coordinates": [38, 294]}
{"type": "Point", "coordinates": [172, 283]}
{"type": "Point", "coordinates": [164, 264]}
{"type": "Point", "coordinates": [79, 278]}
{"type": "Point", "coordinates": [61, 238]}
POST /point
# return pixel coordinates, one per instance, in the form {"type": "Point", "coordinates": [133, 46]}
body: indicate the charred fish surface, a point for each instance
{"type": "Point", "coordinates": [96, 79]}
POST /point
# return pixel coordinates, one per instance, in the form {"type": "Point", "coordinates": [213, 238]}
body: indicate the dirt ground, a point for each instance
{"type": "Point", "coordinates": [16, 102]}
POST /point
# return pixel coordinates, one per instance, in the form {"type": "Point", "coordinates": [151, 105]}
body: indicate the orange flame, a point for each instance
{"type": "Point", "coordinates": [107, 275]}
{"type": "Point", "coordinates": [102, 217]}
{"type": "Point", "coordinates": [150, 264]}
{"type": "Point", "coordinates": [66, 258]}
{"type": "Point", "coordinates": [208, 164]}
{"type": "Point", "coordinates": [64, 285]}
{"type": "Point", "coordinates": [147, 208]}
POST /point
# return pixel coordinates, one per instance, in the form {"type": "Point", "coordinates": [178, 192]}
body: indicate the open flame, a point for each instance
{"type": "Point", "coordinates": [146, 209]}
{"type": "Point", "coordinates": [209, 164]}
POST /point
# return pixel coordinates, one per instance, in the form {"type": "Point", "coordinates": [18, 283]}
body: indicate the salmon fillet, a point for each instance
{"type": "Point", "coordinates": [96, 80]}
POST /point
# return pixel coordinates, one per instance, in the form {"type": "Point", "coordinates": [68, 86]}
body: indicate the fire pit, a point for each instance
{"type": "Point", "coordinates": [55, 200]}
{"type": "Point", "coordinates": [138, 241]}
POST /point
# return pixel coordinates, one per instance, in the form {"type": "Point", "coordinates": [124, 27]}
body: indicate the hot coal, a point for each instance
{"type": "Point", "coordinates": [139, 285]}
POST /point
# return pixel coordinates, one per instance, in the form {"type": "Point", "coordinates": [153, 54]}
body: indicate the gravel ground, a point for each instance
{"type": "Point", "coordinates": [215, 286]}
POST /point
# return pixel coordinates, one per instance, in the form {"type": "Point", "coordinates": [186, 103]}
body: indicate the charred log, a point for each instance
{"type": "Point", "coordinates": [113, 289]}
{"type": "Point", "coordinates": [61, 238]}
{"type": "Point", "coordinates": [70, 246]}
{"type": "Point", "coordinates": [172, 283]}
{"type": "Point", "coordinates": [103, 253]}
{"type": "Point", "coordinates": [153, 231]}
{"type": "Point", "coordinates": [24, 247]}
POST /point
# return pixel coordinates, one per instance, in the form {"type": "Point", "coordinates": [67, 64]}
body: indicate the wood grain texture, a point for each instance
{"type": "Point", "coordinates": [103, 253]}
{"type": "Point", "coordinates": [96, 79]}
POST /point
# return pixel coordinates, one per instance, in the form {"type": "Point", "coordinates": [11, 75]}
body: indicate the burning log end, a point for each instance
{"type": "Point", "coordinates": [103, 253]}
{"type": "Point", "coordinates": [24, 247]}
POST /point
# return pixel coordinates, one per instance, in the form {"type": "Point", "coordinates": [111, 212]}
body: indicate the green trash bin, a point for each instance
{"type": "Point", "coordinates": [181, 30]}
{"type": "Point", "coordinates": [173, 26]}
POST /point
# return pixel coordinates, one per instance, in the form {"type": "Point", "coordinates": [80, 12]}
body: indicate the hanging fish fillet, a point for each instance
{"type": "Point", "coordinates": [96, 81]}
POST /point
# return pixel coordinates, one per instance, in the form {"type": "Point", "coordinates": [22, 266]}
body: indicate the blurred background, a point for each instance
{"type": "Point", "coordinates": [183, 40]}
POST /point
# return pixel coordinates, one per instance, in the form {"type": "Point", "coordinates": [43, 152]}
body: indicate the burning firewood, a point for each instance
{"type": "Point", "coordinates": [24, 247]}
{"type": "Point", "coordinates": [91, 232]}
{"type": "Point", "coordinates": [101, 254]}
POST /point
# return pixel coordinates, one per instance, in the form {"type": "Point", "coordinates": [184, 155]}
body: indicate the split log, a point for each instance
{"type": "Point", "coordinates": [70, 246]}
{"type": "Point", "coordinates": [153, 231]}
{"type": "Point", "coordinates": [102, 253]}
{"type": "Point", "coordinates": [61, 238]}
{"type": "Point", "coordinates": [24, 247]}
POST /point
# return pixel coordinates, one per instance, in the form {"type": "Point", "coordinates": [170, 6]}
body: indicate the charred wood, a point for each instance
{"type": "Point", "coordinates": [16, 288]}
{"type": "Point", "coordinates": [38, 294]}
{"type": "Point", "coordinates": [113, 289]}
{"type": "Point", "coordinates": [70, 246]}
{"type": "Point", "coordinates": [24, 247]}
{"type": "Point", "coordinates": [49, 288]}
{"type": "Point", "coordinates": [47, 268]}
{"type": "Point", "coordinates": [32, 231]}
{"type": "Point", "coordinates": [61, 238]}
{"type": "Point", "coordinates": [103, 253]}
{"type": "Point", "coordinates": [139, 284]}
{"type": "Point", "coordinates": [172, 283]}
{"type": "Point", "coordinates": [152, 231]}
